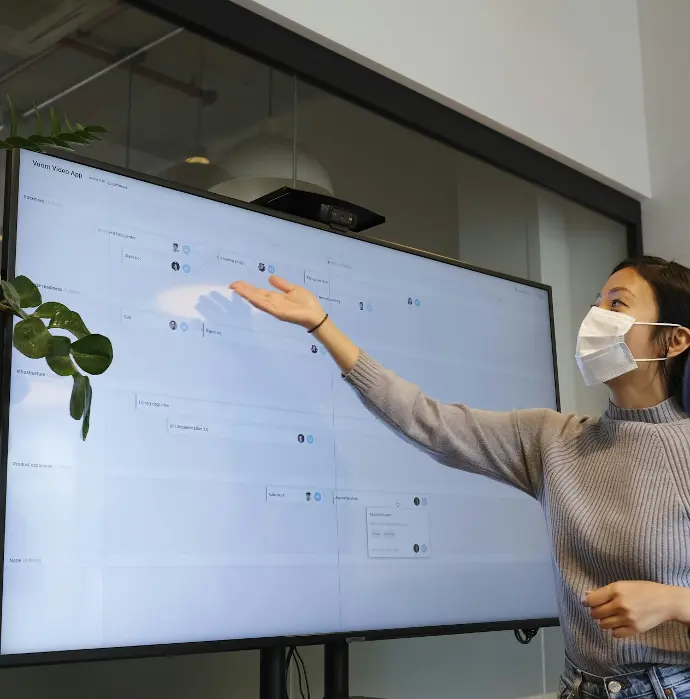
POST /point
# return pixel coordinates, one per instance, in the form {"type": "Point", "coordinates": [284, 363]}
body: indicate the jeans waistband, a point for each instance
{"type": "Point", "coordinates": [656, 681]}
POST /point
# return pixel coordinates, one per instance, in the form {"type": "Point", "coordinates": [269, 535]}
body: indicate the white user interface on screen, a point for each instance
{"type": "Point", "coordinates": [233, 485]}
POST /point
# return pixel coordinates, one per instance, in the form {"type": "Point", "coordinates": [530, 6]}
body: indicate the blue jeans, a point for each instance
{"type": "Point", "coordinates": [656, 682]}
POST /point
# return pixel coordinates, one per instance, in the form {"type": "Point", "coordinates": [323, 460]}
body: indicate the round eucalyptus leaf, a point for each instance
{"type": "Point", "coordinates": [57, 356]}
{"type": "Point", "coordinates": [93, 354]}
{"type": "Point", "coordinates": [50, 309]}
{"type": "Point", "coordinates": [29, 295]}
{"type": "Point", "coordinates": [62, 366]}
{"type": "Point", "coordinates": [70, 321]}
{"type": "Point", "coordinates": [59, 346]}
{"type": "Point", "coordinates": [31, 338]}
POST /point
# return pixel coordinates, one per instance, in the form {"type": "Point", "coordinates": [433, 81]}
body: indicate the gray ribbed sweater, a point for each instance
{"type": "Point", "coordinates": [615, 491]}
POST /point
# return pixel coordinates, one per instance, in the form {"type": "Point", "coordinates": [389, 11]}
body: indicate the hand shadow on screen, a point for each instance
{"type": "Point", "coordinates": [216, 308]}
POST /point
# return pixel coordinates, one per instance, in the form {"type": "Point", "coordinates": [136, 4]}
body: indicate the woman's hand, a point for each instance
{"type": "Point", "coordinates": [292, 304]}
{"type": "Point", "coordinates": [633, 607]}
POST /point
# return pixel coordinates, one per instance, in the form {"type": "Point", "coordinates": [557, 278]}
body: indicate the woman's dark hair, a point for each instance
{"type": "Point", "coordinates": [670, 283]}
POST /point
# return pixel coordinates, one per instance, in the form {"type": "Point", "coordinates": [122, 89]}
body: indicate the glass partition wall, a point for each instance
{"type": "Point", "coordinates": [183, 108]}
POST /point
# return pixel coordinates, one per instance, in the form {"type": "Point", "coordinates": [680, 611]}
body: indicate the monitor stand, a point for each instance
{"type": "Point", "coordinates": [272, 683]}
{"type": "Point", "coordinates": [336, 671]}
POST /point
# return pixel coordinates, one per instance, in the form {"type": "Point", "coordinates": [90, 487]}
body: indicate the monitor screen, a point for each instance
{"type": "Point", "coordinates": [233, 487]}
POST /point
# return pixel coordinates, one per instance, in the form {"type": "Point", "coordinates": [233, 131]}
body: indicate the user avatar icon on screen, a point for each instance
{"type": "Point", "coordinates": [307, 496]}
{"type": "Point", "coordinates": [417, 502]}
{"type": "Point", "coordinates": [262, 267]}
{"type": "Point", "coordinates": [409, 300]}
{"type": "Point", "coordinates": [173, 325]}
{"type": "Point", "coordinates": [176, 266]}
{"type": "Point", "coordinates": [416, 548]}
{"type": "Point", "coordinates": [361, 306]}
{"type": "Point", "coordinates": [300, 438]}
{"type": "Point", "coordinates": [314, 349]}
{"type": "Point", "coordinates": [176, 247]}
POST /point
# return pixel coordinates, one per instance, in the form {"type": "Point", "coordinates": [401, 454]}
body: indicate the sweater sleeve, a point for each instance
{"type": "Point", "coordinates": [504, 446]}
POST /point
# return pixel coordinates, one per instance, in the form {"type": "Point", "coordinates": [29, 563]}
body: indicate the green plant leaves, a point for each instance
{"type": "Point", "coordinates": [78, 398]}
{"type": "Point", "coordinates": [74, 138]}
{"type": "Point", "coordinates": [10, 295]}
{"type": "Point", "coordinates": [32, 338]}
{"type": "Point", "coordinates": [93, 354]}
{"type": "Point", "coordinates": [29, 295]}
{"type": "Point", "coordinates": [80, 402]}
{"type": "Point", "coordinates": [88, 397]}
{"type": "Point", "coordinates": [50, 309]}
{"type": "Point", "coordinates": [62, 136]}
{"type": "Point", "coordinates": [57, 356]}
{"type": "Point", "coordinates": [70, 321]}
{"type": "Point", "coordinates": [55, 126]}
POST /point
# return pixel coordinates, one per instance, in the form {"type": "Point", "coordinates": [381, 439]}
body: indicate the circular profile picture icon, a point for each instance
{"type": "Point", "coordinates": [176, 247]}
{"type": "Point", "coordinates": [361, 306]}
{"type": "Point", "coordinates": [300, 438]}
{"type": "Point", "coordinates": [314, 349]}
{"type": "Point", "coordinates": [417, 502]}
{"type": "Point", "coordinates": [416, 548]}
{"type": "Point", "coordinates": [173, 325]}
{"type": "Point", "coordinates": [262, 267]}
{"type": "Point", "coordinates": [175, 266]}
{"type": "Point", "coordinates": [409, 300]}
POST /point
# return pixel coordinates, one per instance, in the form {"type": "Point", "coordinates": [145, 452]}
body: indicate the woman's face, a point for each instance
{"type": "Point", "coordinates": [627, 292]}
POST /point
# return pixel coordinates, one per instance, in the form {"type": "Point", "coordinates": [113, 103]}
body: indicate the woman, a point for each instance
{"type": "Point", "coordinates": [615, 490]}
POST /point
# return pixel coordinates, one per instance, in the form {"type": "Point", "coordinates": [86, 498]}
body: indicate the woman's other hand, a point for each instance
{"type": "Point", "coordinates": [291, 303]}
{"type": "Point", "coordinates": [632, 607]}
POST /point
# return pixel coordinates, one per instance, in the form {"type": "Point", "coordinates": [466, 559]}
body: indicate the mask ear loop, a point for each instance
{"type": "Point", "coordinates": [665, 325]}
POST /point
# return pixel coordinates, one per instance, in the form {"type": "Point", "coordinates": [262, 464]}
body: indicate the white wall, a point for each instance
{"type": "Point", "coordinates": [561, 75]}
{"type": "Point", "coordinates": [515, 228]}
{"type": "Point", "coordinates": [666, 58]}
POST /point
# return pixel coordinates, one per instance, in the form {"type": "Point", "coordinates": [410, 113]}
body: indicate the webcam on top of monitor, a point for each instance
{"type": "Point", "coordinates": [322, 208]}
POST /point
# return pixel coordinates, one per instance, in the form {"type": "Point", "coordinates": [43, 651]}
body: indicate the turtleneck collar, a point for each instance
{"type": "Point", "coordinates": [668, 411]}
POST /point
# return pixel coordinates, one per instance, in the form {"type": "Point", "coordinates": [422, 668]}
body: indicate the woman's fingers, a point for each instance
{"type": "Point", "coordinates": [257, 297]}
{"type": "Point", "coordinates": [243, 289]}
{"type": "Point", "coordinates": [613, 622]}
{"type": "Point", "coordinates": [281, 284]}
{"type": "Point", "coordinates": [271, 302]}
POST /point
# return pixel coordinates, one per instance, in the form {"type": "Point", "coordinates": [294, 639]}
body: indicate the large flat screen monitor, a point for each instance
{"type": "Point", "coordinates": [233, 490]}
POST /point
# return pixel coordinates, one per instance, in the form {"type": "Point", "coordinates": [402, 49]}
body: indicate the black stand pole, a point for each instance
{"type": "Point", "coordinates": [272, 674]}
{"type": "Point", "coordinates": [336, 670]}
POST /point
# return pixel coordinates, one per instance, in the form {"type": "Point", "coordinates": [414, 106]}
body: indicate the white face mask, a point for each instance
{"type": "Point", "coordinates": [601, 352]}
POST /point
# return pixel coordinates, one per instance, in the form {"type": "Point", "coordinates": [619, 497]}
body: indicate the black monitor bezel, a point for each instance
{"type": "Point", "coordinates": [7, 269]}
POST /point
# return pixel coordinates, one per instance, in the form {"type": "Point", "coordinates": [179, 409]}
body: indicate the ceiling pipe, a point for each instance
{"type": "Point", "coordinates": [100, 73]}
{"type": "Point", "coordinates": [207, 97]}
{"type": "Point", "coordinates": [84, 31]}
